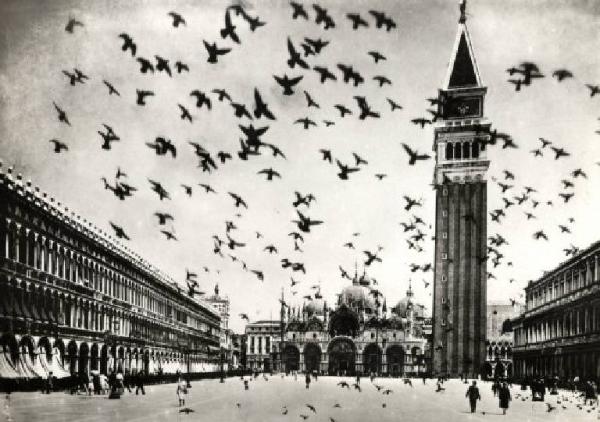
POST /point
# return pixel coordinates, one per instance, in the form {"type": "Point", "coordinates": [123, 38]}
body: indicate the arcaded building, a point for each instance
{"type": "Point", "coordinates": [74, 299]}
{"type": "Point", "coordinates": [357, 335]}
{"type": "Point", "coordinates": [558, 334]}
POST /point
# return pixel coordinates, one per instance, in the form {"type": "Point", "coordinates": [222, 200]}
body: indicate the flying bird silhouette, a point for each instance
{"type": "Point", "coordinates": [214, 52]}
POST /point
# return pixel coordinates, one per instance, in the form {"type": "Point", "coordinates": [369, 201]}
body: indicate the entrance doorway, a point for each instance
{"type": "Point", "coordinates": [342, 357]}
{"type": "Point", "coordinates": [312, 357]}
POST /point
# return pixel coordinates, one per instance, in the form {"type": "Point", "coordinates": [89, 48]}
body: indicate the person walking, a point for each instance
{"type": "Point", "coordinates": [473, 395]}
{"type": "Point", "coordinates": [307, 380]}
{"type": "Point", "coordinates": [139, 383]}
{"type": "Point", "coordinates": [181, 391]}
{"type": "Point", "coordinates": [504, 397]}
{"type": "Point", "coordinates": [49, 383]}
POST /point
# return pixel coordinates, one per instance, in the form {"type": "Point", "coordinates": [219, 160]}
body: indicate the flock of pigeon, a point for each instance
{"type": "Point", "coordinates": [253, 121]}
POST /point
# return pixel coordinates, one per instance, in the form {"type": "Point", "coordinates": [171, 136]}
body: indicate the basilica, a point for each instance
{"type": "Point", "coordinates": [358, 335]}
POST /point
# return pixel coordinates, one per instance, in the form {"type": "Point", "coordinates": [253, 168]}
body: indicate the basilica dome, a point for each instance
{"type": "Point", "coordinates": [315, 307]}
{"type": "Point", "coordinates": [357, 297]}
{"type": "Point", "coordinates": [405, 304]}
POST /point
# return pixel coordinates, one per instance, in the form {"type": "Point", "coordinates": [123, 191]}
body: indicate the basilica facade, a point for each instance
{"type": "Point", "coordinates": [356, 336]}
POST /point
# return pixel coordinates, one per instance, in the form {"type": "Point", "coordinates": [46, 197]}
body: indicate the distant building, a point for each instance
{"type": "Point", "coordinates": [222, 305]}
{"type": "Point", "coordinates": [499, 339]}
{"type": "Point", "coordinates": [559, 331]}
{"type": "Point", "coordinates": [262, 343]}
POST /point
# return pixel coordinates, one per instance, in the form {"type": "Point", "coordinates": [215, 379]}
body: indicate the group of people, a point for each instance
{"type": "Point", "coordinates": [97, 383]}
{"type": "Point", "coordinates": [500, 389]}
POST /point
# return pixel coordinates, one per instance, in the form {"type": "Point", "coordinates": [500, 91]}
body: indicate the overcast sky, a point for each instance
{"type": "Point", "coordinates": [35, 49]}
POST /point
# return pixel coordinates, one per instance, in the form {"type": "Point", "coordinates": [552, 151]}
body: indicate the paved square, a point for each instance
{"type": "Point", "coordinates": [265, 401]}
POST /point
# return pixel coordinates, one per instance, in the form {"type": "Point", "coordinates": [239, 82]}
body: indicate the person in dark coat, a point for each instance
{"type": "Point", "coordinates": [307, 380]}
{"type": "Point", "coordinates": [49, 383]}
{"type": "Point", "coordinates": [504, 397]}
{"type": "Point", "coordinates": [139, 383]}
{"type": "Point", "coordinates": [473, 395]}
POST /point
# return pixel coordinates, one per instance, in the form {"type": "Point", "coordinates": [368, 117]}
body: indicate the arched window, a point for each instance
{"type": "Point", "coordinates": [457, 151]}
{"type": "Point", "coordinates": [466, 146]}
{"type": "Point", "coordinates": [449, 151]}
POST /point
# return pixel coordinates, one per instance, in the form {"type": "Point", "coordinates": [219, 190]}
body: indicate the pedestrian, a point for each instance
{"type": "Point", "coordinates": [358, 378]}
{"type": "Point", "coordinates": [473, 395]}
{"type": "Point", "coordinates": [590, 393]}
{"type": "Point", "coordinates": [504, 397]}
{"type": "Point", "coordinates": [49, 383]}
{"type": "Point", "coordinates": [424, 379]}
{"type": "Point", "coordinates": [181, 392]}
{"type": "Point", "coordinates": [307, 380]}
{"type": "Point", "coordinates": [139, 383]}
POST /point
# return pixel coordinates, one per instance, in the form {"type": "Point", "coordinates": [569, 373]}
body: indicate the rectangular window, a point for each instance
{"type": "Point", "coordinates": [445, 192]}
{"type": "Point", "coordinates": [444, 256]}
{"type": "Point", "coordinates": [445, 235]}
{"type": "Point", "coordinates": [444, 213]}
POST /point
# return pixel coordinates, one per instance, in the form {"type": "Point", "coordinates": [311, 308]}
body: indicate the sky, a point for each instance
{"type": "Point", "coordinates": [35, 49]}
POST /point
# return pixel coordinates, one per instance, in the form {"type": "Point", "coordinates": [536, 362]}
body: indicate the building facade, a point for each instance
{"type": "Point", "coordinates": [73, 299]}
{"type": "Point", "coordinates": [460, 273]}
{"type": "Point", "coordinates": [358, 335]}
{"type": "Point", "coordinates": [500, 339]}
{"type": "Point", "coordinates": [559, 332]}
{"type": "Point", "coordinates": [263, 339]}
{"type": "Point", "coordinates": [222, 304]}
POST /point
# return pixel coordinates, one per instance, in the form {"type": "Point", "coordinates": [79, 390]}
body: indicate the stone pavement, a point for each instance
{"type": "Point", "coordinates": [266, 401]}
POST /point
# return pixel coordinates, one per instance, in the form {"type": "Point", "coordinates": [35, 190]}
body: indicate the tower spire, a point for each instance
{"type": "Point", "coordinates": [463, 11]}
{"type": "Point", "coordinates": [460, 175]}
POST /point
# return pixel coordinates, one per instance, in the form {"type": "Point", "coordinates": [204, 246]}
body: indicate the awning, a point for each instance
{"type": "Point", "coordinates": [57, 369]}
{"type": "Point", "coordinates": [25, 368]}
{"type": "Point", "coordinates": [7, 370]}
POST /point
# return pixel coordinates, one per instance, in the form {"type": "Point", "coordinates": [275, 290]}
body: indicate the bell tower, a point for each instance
{"type": "Point", "coordinates": [460, 273]}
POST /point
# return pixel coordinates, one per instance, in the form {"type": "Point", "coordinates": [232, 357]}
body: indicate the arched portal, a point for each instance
{"type": "Point", "coordinates": [499, 370]}
{"type": "Point", "coordinates": [372, 359]}
{"type": "Point", "coordinates": [291, 358]}
{"type": "Point", "coordinates": [312, 357]}
{"type": "Point", "coordinates": [342, 357]}
{"type": "Point", "coordinates": [94, 357]}
{"type": "Point", "coordinates": [104, 359]}
{"type": "Point", "coordinates": [146, 366]}
{"type": "Point", "coordinates": [395, 360]}
{"type": "Point", "coordinates": [84, 358]}
{"type": "Point", "coordinates": [72, 354]}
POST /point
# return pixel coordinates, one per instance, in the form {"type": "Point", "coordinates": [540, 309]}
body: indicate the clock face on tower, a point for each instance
{"type": "Point", "coordinates": [458, 108]}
